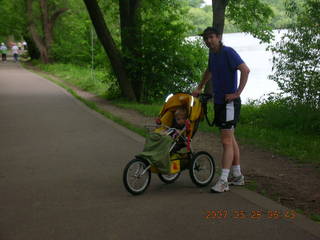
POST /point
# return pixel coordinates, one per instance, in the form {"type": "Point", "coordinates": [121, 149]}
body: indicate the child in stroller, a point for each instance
{"type": "Point", "coordinates": [177, 123]}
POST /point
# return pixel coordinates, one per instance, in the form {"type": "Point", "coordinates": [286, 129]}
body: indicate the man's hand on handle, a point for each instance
{"type": "Point", "coordinates": [196, 92]}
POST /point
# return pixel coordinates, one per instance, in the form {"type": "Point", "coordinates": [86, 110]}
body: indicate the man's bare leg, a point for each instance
{"type": "Point", "coordinates": [236, 151]}
{"type": "Point", "coordinates": [230, 150]}
{"type": "Point", "coordinates": [237, 177]}
{"type": "Point", "coordinates": [227, 141]}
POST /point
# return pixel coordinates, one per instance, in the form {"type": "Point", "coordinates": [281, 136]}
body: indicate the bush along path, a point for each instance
{"type": "Point", "coordinates": [291, 184]}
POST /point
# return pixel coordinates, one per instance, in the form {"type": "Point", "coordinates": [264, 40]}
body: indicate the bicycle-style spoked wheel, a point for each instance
{"type": "Point", "coordinates": [137, 176]}
{"type": "Point", "coordinates": [169, 178]}
{"type": "Point", "coordinates": [202, 169]}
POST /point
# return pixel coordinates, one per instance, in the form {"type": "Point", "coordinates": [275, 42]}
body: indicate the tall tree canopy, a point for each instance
{"type": "Point", "coordinates": [297, 55]}
{"type": "Point", "coordinates": [252, 16]}
{"type": "Point", "coordinates": [42, 35]}
{"type": "Point", "coordinates": [146, 54]}
{"type": "Point", "coordinates": [152, 42]}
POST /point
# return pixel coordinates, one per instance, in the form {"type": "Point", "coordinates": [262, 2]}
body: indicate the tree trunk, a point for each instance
{"type": "Point", "coordinates": [218, 9]}
{"type": "Point", "coordinates": [110, 48]}
{"type": "Point", "coordinates": [43, 44]}
{"type": "Point", "coordinates": [131, 42]}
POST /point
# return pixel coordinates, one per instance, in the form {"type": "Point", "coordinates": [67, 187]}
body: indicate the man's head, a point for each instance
{"type": "Point", "coordinates": [212, 38]}
{"type": "Point", "coordinates": [208, 31]}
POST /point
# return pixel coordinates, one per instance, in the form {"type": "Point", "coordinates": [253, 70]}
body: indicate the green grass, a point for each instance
{"type": "Point", "coordinates": [145, 109]}
{"type": "Point", "coordinates": [252, 185]}
{"type": "Point", "coordinates": [94, 82]}
{"type": "Point", "coordinates": [292, 131]}
{"type": "Point", "coordinates": [299, 145]}
{"type": "Point", "coordinates": [315, 217]}
{"type": "Point", "coordinates": [278, 131]}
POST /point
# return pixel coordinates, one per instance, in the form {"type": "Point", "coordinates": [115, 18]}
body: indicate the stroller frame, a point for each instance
{"type": "Point", "coordinates": [201, 165]}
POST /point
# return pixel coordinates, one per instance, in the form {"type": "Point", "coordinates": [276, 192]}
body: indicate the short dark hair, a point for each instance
{"type": "Point", "coordinates": [210, 30]}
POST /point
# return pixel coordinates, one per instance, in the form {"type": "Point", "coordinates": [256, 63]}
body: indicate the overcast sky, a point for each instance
{"type": "Point", "coordinates": [208, 2]}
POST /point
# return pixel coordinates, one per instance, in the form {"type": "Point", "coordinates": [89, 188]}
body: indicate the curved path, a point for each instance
{"type": "Point", "coordinates": [61, 178]}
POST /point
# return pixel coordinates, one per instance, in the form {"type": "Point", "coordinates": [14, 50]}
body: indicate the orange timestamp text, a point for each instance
{"type": "Point", "coordinates": [253, 214]}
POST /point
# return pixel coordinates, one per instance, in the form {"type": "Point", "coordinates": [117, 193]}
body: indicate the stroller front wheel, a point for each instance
{"type": "Point", "coordinates": [202, 169]}
{"type": "Point", "coordinates": [137, 176]}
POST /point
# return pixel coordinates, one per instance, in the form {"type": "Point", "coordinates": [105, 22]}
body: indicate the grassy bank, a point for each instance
{"type": "Point", "coordinates": [96, 81]}
{"type": "Point", "coordinates": [293, 131]}
{"type": "Point", "coordinates": [271, 126]}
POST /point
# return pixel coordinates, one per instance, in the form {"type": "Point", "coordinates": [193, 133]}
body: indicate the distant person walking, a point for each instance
{"type": "Point", "coordinates": [15, 52]}
{"type": "Point", "coordinates": [20, 46]}
{"type": "Point", "coordinates": [3, 50]}
{"type": "Point", "coordinates": [24, 45]}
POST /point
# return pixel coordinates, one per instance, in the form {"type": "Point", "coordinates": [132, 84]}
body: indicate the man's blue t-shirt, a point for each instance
{"type": "Point", "coordinates": [223, 67]}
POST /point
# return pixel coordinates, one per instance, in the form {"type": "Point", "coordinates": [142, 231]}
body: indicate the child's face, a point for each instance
{"type": "Point", "coordinates": [180, 120]}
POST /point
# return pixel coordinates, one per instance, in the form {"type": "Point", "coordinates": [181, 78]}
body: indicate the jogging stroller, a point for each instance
{"type": "Point", "coordinates": [167, 152]}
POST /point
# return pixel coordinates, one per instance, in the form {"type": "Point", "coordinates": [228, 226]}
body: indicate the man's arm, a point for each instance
{"type": "Point", "coordinates": [205, 78]}
{"type": "Point", "coordinates": [243, 81]}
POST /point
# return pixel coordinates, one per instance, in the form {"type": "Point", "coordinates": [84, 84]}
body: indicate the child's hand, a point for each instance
{"type": "Point", "coordinates": [158, 121]}
{"type": "Point", "coordinates": [196, 92]}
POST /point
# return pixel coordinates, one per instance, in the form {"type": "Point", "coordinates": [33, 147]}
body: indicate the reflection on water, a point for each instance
{"type": "Point", "coordinates": [258, 59]}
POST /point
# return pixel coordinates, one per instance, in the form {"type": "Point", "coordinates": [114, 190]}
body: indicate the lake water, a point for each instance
{"type": "Point", "coordinates": [258, 59]}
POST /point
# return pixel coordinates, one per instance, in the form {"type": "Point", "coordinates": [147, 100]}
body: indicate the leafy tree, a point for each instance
{"type": "Point", "coordinates": [250, 16]}
{"type": "Point", "coordinates": [113, 52]}
{"type": "Point", "coordinates": [42, 31]}
{"type": "Point", "coordinates": [297, 55]}
{"type": "Point", "coordinates": [152, 58]}
{"type": "Point", "coordinates": [199, 19]}
{"type": "Point", "coordinates": [170, 62]}
{"type": "Point", "coordinates": [12, 18]}
{"type": "Point", "coordinates": [195, 3]}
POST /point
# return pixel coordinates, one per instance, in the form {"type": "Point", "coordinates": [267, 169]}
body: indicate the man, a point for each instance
{"type": "Point", "coordinates": [222, 71]}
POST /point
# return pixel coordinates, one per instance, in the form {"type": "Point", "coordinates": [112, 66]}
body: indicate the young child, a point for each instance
{"type": "Point", "coordinates": [180, 117]}
{"type": "Point", "coordinates": [178, 122]}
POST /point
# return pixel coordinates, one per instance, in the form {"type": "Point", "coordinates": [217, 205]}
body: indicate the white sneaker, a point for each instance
{"type": "Point", "coordinates": [237, 181]}
{"type": "Point", "coordinates": [220, 186]}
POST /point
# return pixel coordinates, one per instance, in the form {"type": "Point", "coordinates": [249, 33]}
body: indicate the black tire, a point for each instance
{"type": "Point", "coordinates": [202, 163]}
{"type": "Point", "coordinates": [169, 178]}
{"type": "Point", "coordinates": [129, 179]}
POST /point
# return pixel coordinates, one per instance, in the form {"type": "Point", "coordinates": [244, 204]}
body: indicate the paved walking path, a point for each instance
{"type": "Point", "coordinates": [61, 178]}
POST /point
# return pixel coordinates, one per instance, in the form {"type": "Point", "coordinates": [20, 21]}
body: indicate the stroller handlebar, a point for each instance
{"type": "Point", "coordinates": [204, 97]}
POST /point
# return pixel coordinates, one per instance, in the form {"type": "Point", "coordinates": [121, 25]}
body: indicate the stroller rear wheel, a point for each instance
{"type": "Point", "coordinates": [202, 169]}
{"type": "Point", "coordinates": [169, 178]}
{"type": "Point", "coordinates": [137, 176]}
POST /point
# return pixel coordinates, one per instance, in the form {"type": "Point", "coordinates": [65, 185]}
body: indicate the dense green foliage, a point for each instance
{"type": "Point", "coordinates": [171, 63]}
{"type": "Point", "coordinates": [251, 16]}
{"type": "Point", "coordinates": [201, 16]}
{"type": "Point", "coordinates": [12, 19]}
{"type": "Point", "coordinates": [297, 56]}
